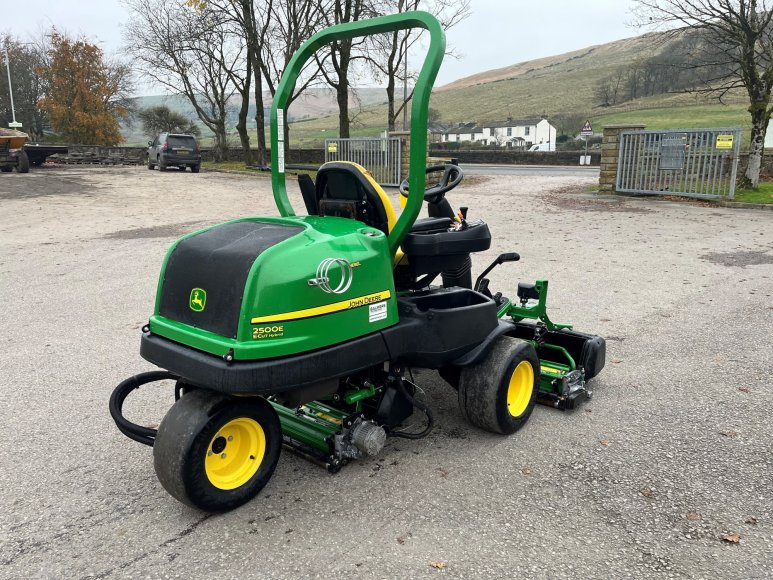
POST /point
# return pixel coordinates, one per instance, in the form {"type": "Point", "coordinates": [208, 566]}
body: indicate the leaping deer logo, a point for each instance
{"type": "Point", "coordinates": [198, 299]}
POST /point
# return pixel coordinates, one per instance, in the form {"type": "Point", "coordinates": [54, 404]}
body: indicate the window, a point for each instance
{"type": "Point", "coordinates": [458, 137]}
{"type": "Point", "coordinates": [526, 130]}
{"type": "Point", "coordinates": [509, 131]}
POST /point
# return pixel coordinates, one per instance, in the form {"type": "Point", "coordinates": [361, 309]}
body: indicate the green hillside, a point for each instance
{"type": "Point", "coordinates": [562, 85]}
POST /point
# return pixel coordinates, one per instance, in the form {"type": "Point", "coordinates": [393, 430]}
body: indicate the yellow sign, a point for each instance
{"type": "Point", "coordinates": [724, 142]}
{"type": "Point", "coordinates": [332, 147]}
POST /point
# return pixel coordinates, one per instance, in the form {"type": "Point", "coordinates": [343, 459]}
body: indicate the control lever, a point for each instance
{"type": "Point", "coordinates": [501, 259]}
{"type": "Point", "coordinates": [461, 220]}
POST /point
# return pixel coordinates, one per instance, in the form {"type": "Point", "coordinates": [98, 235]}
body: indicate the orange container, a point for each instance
{"type": "Point", "coordinates": [17, 139]}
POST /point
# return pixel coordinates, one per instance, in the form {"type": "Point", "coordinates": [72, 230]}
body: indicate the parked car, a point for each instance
{"type": "Point", "coordinates": [543, 147]}
{"type": "Point", "coordinates": [175, 150]}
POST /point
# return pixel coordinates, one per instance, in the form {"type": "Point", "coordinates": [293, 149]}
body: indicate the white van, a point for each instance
{"type": "Point", "coordinates": [542, 147]}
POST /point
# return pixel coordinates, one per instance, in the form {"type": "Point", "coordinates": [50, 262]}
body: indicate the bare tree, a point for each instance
{"type": "Point", "coordinates": [341, 55]}
{"type": "Point", "coordinates": [26, 63]}
{"type": "Point", "coordinates": [190, 53]}
{"type": "Point", "coordinates": [390, 51]}
{"type": "Point", "coordinates": [161, 119]}
{"type": "Point", "coordinates": [740, 36]}
{"type": "Point", "coordinates": [291, 23]}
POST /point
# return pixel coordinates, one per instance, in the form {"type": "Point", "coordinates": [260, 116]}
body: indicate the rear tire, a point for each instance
{"type": "Point", "coordinates": [161, 165]}
{"type": "Point", "coordinates": [216, 453]}
{"type": "Point", "coordinates": [151, 166]}
{"type": "Point", "coordinates": [499, 393]}
{"type": "Point", "coordinates": [23, 163]}
{"type": "Point", "coordinates": [195, 168]}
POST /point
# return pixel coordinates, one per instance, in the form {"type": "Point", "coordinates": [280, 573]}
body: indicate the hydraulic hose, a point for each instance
{"type": "Point", "coordinates": [419, 405]}
{"type": "Point", "coordinates": [144, 435]}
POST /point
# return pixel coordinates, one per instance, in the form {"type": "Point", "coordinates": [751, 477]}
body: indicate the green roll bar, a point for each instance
{"type": "Point", "coordinates": [419, 107]}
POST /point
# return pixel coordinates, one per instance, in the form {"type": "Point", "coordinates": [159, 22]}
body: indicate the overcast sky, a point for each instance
{"type": "Point", "coordinates": [497, 34]}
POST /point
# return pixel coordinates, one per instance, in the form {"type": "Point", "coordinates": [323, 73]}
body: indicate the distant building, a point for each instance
{"type": "Point", "coordinates": [519, 133]}
{"type": "Point", "coordinates": [512, 133]}
{"type": "Point", "coordinates": [456, 133]}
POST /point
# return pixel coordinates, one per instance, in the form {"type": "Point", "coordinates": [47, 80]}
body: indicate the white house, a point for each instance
{"type": "Point", "coordinates": [459, 133]}
{"type": "Point", "coordinates": [513, 133]}
{"type": "Point", "coordinates": [519, 133]}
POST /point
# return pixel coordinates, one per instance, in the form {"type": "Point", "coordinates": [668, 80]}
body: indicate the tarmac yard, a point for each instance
{"type": "Point", "coordinates": [666, 472]}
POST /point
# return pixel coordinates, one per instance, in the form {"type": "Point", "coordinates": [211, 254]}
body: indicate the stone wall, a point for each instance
{"type": "Point", "coordinates": [610, 148]}
{"type": "Point", "coordinates": [299, 156]}
{"type": "Point", "coordinates": [494, 157]}
{"type": "Point", "coordinates": [98, 155]}
{"type": "Point", "coordinates": [405, 151]}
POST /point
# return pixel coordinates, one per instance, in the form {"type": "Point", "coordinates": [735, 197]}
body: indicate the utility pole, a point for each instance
{"type": "Point", "coordinates": [14, 124]}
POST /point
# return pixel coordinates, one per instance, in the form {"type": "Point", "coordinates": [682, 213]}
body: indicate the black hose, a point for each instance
{"type": "Point", "coordinates": [419, 405]}
{"type": "Point", "coordinates": [144, 435]}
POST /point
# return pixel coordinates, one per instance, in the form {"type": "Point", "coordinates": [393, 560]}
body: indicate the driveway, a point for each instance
{"type": "Point", "coordinates": [672, 454]}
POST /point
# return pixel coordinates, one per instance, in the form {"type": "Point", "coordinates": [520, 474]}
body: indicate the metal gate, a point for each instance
{"type": "Point", "coordinates": [380, 156]}
{"type": "Point", "coordinates": [693, 162]}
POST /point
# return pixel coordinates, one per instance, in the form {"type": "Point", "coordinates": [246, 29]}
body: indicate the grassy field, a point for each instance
{"type": "Point", "coordinates": [764, 194]}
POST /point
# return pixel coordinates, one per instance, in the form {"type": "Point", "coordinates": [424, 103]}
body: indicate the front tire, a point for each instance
{"type": "Point", "coordinates": [499, 393]}
{"type": "Point", "coordinates": [216, 453]}
{"type": "Point", "coordinates": [23, 163]}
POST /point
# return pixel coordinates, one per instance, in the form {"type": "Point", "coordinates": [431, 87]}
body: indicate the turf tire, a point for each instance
{"type": "Point", "coordinates": [183, 440]}
{"type": "Point", "coordinates": [483, 387]}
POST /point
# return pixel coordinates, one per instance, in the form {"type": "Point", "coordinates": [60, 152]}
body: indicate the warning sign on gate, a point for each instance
{"type": "Point", "coordinates": [724, 142]}
{"type": "Point", "coordinates": [587, 129]}
{"type": "Point", "coordinates": [332, 147]}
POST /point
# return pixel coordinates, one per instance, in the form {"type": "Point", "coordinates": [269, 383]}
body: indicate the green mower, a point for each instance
{"type": "Point", "coordinates": [302, 331]}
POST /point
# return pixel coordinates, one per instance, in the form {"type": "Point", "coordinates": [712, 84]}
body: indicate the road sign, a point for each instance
{"type": "Point", "coordinates": [14, 125]}
{"type": "Point", "coordinates": [587, 129]}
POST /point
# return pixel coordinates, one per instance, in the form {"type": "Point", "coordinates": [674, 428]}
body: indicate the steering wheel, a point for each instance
{"type": "Point", "coordinates": [452, 176]}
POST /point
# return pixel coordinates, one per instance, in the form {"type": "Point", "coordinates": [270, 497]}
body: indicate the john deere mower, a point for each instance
{"type": "Point", "coordinates": [301, 332]}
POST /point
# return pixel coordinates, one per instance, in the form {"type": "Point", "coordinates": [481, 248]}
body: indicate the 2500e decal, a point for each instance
{"type": "Point", "coordinates": [260, 332]}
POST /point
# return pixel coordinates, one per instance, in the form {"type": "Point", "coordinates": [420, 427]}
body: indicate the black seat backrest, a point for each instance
{"type": "Point", "coordinates": [309, 193]}
{"type": "Point", "coordinates": [344, 190]}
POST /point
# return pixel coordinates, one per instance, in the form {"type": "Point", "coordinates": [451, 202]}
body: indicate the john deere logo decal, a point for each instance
{"type": "Point", "coordinates": [198, 299]}
{"type": "Point", "coordinates": [326, 271]}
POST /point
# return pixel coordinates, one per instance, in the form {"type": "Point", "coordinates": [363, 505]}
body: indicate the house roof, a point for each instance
{"type": "Point", "coordinates": [464, 128]}
{"type": "Point", "coordinates": [514, 123]}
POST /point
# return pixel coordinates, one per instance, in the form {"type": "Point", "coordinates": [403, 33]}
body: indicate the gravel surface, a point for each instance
{"type": "Point", "coordinates": [672, 453]}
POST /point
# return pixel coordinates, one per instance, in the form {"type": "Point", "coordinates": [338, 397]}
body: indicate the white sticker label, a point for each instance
{"type": "Point", "coordinates": [281, 155]}
{"type": "Point", "coordinates": [280, 124]}
{"type": "Point", "coordinates": [377, 312]}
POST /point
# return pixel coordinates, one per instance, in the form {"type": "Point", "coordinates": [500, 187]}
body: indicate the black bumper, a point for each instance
{"type": "Point", "coordinates": [268, 376]}
{"type": "Point", "coordinates": [435, 329]}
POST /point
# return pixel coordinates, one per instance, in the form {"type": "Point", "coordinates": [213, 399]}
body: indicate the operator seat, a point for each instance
{"type": "Point", "coordinates": [433, 246]}
{"type": "Point", "coordinates": [346, 189]}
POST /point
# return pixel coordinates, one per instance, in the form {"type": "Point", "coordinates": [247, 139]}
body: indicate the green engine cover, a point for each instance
{"type": "Point", "coordinates": [235, 288]}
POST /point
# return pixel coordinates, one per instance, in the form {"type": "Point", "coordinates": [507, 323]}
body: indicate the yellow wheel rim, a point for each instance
{"type": "Point", "coordinates": [235, 453]}
{"type": "Point", "coordinates": [520, 388]}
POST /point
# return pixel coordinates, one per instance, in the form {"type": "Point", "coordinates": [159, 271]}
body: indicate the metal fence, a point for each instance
{"type": "Point", "coordinates": [380, 156]}
{"type": "Point", "coordinates": [693, 162]}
